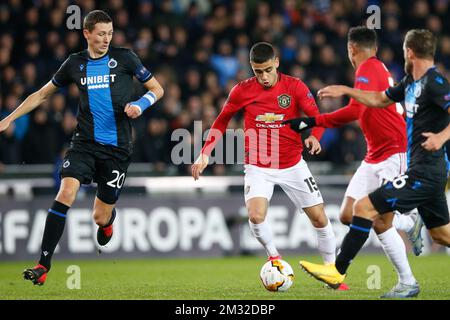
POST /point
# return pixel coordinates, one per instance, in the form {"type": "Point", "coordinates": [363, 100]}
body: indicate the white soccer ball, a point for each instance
{"type": "Point", "coordinates": [277, 275]}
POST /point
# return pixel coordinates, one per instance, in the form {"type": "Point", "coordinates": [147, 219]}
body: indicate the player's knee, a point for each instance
{"type": "Point", "coordinates": [66, 195]}
{"type": "Point", "coordinates": [319, 221]}
{"type": "Point", "coordinates": [256, 219]}
{"type": "Point", "coordinates": [256, 215]}
{"type": "Point", "coordinates": [380, 226]}
{"type": "Point", "coordinates": [361, 208]}
{"type": "Point", "coordinates": [441, 239]}
{"type": "Point", "coordinates": [437, 239]}
{"type": "Point", "coordinates": [346, 217]}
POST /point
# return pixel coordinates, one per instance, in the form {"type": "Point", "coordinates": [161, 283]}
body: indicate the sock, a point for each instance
{"type": "Point", "coordinates": [395, 249]}
{"type": "Point", "coordinates": [54, 228]}
{"type": "Point", "coordinates": [326, 243]}
{"type": "Point", "coordinates": [353, 242]}
{"type": "Point", "coordinates": [403, 222]}
{"type": "Point", "coordinates": [262, 233]}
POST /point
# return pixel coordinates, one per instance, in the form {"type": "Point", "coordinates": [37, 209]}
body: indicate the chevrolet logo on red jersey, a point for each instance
{"type": "Point", "coordinates": [270, 117]}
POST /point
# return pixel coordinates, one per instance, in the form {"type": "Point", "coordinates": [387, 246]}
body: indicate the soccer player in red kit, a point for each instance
{"type": "Point", "coordinates": [273, 150]}
{"type": "Point", "coordinates": [385, 133]}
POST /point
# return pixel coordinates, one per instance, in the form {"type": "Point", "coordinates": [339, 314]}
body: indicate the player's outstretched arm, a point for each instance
{"type": "Point", "coordinates": [372, 99]}
{"type": "Point", "coordinates": [30, 103]}
{"type": "Point", "coordinates": [155, 92]}
{"type": "Point", "coordinates": [333, 119]}
{"type": "Point", "coordinates": [231, 106]}
{"type": "Point", "coordinates": [199, 165]}
{"type": "Point", "coordinates": [214, 135]}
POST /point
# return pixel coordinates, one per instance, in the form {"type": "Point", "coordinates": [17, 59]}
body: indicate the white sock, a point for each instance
{"type": "Point", "coordinates": [262, 233]}
{"type": "Point", "coordinates": [403, 222]}
{"type": "Point", "coordinates": [326, 243]}
{"type": "Point", "coordinates": [395, 250]}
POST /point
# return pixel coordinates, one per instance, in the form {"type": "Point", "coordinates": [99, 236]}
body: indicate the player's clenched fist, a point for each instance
{"type": "Point", "coordinates": [132, 111]}
{"type": "Point", "coordinates": [332, 92]}
{"type": "Point", "coordinates": [199, 165]}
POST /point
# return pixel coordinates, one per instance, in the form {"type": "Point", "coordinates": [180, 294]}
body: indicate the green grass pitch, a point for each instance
{"type": "Point", "coordinates": [233, 278]}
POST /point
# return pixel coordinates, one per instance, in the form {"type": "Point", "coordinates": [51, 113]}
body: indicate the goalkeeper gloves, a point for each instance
{"type": "Point", "coordinates": [301, 124]}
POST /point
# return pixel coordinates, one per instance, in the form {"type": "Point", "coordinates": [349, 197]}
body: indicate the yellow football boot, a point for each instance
{"type": "Point", "coordinates": [326, 273]}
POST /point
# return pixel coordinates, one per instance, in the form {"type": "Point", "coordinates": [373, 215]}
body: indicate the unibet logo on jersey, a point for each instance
{"type": "Point", "coordinates": [98, 82]}
{"type": "Point", "coordinates": [412, 93]}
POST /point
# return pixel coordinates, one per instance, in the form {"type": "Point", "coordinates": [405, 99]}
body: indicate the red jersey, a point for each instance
{"type": "Point", "coordinates": [383, 128]}
{"type": "Point", "coordinates": [268, 142]}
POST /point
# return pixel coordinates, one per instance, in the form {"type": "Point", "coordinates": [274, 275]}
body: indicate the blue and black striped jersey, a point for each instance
{"type": "Point", "coordinates": [106, 86]}
{"type": "Point", "coordinates": [426, 100]}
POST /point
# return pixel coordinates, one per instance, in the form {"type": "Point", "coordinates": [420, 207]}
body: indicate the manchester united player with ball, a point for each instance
{"type": "Point", "coordinates": [273, 151]}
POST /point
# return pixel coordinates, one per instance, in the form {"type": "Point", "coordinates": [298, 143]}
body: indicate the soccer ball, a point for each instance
{"type": "Point", "coordinates": [277, 275]}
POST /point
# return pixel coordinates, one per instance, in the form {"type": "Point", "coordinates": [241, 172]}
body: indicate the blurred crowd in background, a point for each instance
{"type": "Point", "coordinates": [198, 50]}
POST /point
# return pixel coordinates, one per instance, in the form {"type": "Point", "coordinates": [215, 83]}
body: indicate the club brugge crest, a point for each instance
{"type": "Point", "coordinates": [112, 63]}
{"type": "Point", "coordinates": [284, 101]}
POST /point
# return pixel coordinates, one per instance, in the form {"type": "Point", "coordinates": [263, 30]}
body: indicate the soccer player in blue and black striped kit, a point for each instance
{"type": "Point", "coordinates": [426, 94]}
{"type": "Point", "coordinates": [102, 143]}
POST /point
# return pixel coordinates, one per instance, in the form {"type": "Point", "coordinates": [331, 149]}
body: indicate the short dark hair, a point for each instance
{"type": "Point", "coordinates": [422, 42]}
{"type": "Point", "coordinates": [261, 52]}
{"type": "Point", "coordinates": [363, 37]}
{"type": "Point", "coordinates": [94, 17]}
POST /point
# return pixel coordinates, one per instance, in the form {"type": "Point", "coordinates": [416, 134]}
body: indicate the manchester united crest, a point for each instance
{"type": "Point", "coordinates": [284, 101]}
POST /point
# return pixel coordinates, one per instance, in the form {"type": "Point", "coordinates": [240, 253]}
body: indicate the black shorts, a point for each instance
{"type": "Point", "coordinates": [422, 188]}
{"type": "Point", "coordinates": [105, 165]}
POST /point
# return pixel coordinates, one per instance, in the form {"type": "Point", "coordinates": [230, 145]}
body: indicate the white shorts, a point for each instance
{"type": "Point", "coordinates": [297, 182]}
{"type": "Point", "coordinates": [370, 176]}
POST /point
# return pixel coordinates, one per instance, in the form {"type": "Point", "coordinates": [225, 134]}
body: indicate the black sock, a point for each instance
{"type": "Point", "coordinates": [54, 228]}
{"type": "Point", "coordinates": [353, 242]}
{"type": "Point", "coordinates": [111, 220]}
